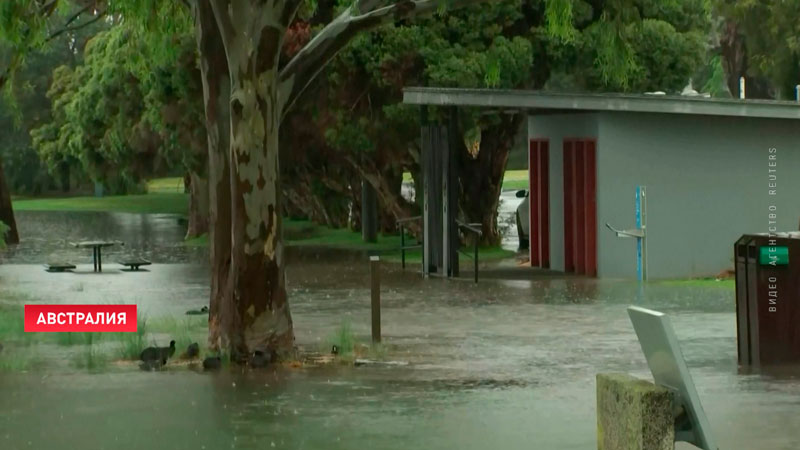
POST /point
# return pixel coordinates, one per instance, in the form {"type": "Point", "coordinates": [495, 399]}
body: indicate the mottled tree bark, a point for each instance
{"type": "Point", "coordinates": [198, 206]}
{"type": "Point", "coordinates": [216, 94]}
{"type": "Point", "coordinates": [482, 177]}
{"type": "Point", "coordinates": [6, 210]}
{"type": "Point", "coordinates": [252, 33]}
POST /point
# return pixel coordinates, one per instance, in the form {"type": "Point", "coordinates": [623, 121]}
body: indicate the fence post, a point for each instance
{"type": "Point", "coordinates": [375, 274]}
{"type": "Point", "coordinates": [403, 245]}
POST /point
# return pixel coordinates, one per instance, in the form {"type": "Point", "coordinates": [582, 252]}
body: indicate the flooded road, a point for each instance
{"type": "Point", "coordinates": [504, 365]}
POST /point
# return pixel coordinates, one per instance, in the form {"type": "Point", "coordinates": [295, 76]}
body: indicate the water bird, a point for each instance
{"type": "Point", "coordinates": [192, 350]}
{"type": "Point", "coordinates": [195, 312]}
{"type": "Point", "coordinates": [158, 353]}
{"type": "Point", "coordinates": [335, 350]}
{"type": "Point", "coordinates": [212, 363]}
{"type": "Point", "coordinates": [261, 359]}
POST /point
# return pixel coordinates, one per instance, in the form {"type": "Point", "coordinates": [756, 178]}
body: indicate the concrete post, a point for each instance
{"type": "Point", "coordinates": [633, 414]}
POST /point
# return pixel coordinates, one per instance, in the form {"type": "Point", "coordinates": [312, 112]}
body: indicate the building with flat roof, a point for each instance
{"type": "Point", "coordinates": [682, 177]}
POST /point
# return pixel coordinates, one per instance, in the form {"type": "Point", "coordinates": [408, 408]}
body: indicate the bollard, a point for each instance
{"type": "Point", "coordinates": [633, 414]}
{"type": "Point", "coordinates": [375, 275]}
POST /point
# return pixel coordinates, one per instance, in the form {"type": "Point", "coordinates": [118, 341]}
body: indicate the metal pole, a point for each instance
{"type": "Point", "coordinates": [374, 266]}
{"type": "Point", "coordinates": [741, 88]}
{"type": "Point", "coordinates": [638, 206]}
{"type": "Point", "coordinates": [643, 200]}
{"type": "Point", "coordinates": [475, 259]}
{"type": "Point", "coordinates": [403, 246]}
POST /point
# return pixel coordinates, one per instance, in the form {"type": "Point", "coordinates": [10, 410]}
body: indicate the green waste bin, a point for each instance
{"type": "Point", "coordinates": [768, 299]}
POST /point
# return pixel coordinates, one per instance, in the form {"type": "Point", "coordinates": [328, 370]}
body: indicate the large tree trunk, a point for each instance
{"type": "Point", "coordinates": [216, 93]}
{"type": "Point", "coordinates": [252, 33]}
{"type": "Point", "coordinates": [482, 176]}
{"type": "Point", "coordinates": [733, 48]}
{"type": "Point", "coordinates": [6, 210]}
{"type": "Point", "coordinates": [198, 205]}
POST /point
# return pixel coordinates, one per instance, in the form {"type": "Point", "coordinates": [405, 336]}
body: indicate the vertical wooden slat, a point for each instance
{"type": "Point", "coordinates": [533, 203]}
{"type": "Point", "coordinates": [579, 248]}
{"type": "Point", "coordinates": [544, 199]}
{"type": "Point", "coordinates": [569, 225]}
{"type": "Point", "coordinates": [590, 199]}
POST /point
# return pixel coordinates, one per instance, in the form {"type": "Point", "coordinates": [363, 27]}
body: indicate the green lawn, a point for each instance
{"type": "Point", "coordinates": [302, 233]}
{"type": "Point", "coordinates": [725, 283]}
{"type": "Point", "coordinates": [515, 179]}
{"type": "Point", "coordinates": [165, 196]}
{"type": "Point", "coordinates": [172, 185]}
{"type": "Point", "coordinates": [160, 203]}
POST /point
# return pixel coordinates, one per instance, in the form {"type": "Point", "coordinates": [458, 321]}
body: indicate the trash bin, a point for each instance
{"type": "Point", "coordinates": [768, 299]}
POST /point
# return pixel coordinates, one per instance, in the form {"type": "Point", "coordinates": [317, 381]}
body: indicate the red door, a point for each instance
{"type": "Point", "coordinates": [580, 206]}
{"type": "Point", "coordinates": [539, 202]}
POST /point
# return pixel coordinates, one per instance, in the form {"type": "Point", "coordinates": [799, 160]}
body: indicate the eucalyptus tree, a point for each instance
{"type": "Point", "coordinates": [247, 91]}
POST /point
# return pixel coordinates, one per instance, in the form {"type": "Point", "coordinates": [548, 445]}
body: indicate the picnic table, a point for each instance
{"type": "Point", "coordinates": [97, 250]}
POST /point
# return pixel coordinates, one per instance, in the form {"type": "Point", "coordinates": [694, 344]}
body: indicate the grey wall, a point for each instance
{"type": "Point", "coordinates": [556, 128]}
{"type": "Point", "coordinates": [707, 183]}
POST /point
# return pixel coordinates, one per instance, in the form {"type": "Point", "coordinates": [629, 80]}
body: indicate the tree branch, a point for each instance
{"type": "Point", "coordinates": [68, 29]}
{"type": "Point", "coordinates": [311, 59]}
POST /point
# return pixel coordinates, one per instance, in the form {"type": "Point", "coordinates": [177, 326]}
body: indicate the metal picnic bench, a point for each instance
{"type": "Point", "coordinates": [97, 250]}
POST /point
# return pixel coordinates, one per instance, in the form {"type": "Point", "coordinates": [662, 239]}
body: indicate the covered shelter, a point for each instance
{"type": "Point", "coordinates": [682, 176]}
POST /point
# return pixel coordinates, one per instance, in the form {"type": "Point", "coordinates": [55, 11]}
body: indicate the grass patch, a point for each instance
{"type": "Point", "coordinates": [90, 357]}
{"type": "Point", "coordinates": [172, 185]}
{"type": "Point", "coordinates": [131, 344]}
{"type": "Point", "coordinates": [724, 283]}
{"type": "Point", "coordinates": [344, 339]}
{"type": "Point", "coordinates": [159, 203]}
{"type": "Point", "coordinates": [515, 179]}
{"type": "Point", "coordinates": [493, 253]}
{"type": "Point", "coordinates": [306, 233]}
{"type": "Point", "coordinates": [75, 338]}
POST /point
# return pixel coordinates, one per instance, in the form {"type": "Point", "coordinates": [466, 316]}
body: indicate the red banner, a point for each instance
{"type": "Point", "coordinates": [94, 318]}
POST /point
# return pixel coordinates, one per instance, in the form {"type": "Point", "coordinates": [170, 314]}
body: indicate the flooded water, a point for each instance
{"type": "Point", "coordinates": [501, 364]}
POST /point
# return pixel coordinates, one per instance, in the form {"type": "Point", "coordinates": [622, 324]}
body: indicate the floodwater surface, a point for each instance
{"type": "Point", "coordinates": [501, 364]}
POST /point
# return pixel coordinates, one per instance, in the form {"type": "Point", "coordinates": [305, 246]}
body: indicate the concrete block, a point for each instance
{"type": "Point", "coordinates": [633, 414]}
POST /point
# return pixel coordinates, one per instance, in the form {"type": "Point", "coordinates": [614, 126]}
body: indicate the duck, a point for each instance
{"type": "Point", "coordinates": [158, 353]}
{"type": "Point", "coordinates": [212, 363]}
{"type": "Point", "coordinates": [196, 312]}
{"type": "Point", "coordinates": [192, 350]}
{"type": "Point", "coordinates": [261, 359]}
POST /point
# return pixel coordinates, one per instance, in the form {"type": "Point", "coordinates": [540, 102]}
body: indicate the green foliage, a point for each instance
{"type": "Point", "coordinates": [101, 121]}
{"type": "Point", "coordinates": [131, 344]}
{"type": "Point", "coordinates": [3, 230]}
{"type": "Point", "coordinates": [343, 338]}
{"type": "Point", "coordinates": [90, 356]}
{"type": "Point", "coordinates": [771, 30]}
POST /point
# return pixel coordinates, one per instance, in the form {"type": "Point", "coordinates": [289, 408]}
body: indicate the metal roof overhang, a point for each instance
{"type": "Point", "coordinates": [538, 101]}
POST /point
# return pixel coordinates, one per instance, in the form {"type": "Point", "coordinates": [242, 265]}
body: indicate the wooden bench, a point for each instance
{"type": "Point", "coordinates": [58, 267]}
{"type": "Point", "coordinates": [134, 264]}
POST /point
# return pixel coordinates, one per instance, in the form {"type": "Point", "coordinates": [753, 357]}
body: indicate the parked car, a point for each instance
{"type": "Point", "coordinates": [523, 219]}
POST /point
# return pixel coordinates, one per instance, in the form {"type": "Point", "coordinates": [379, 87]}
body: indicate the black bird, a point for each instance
{"type": "Point", "coordinates": [158, 353]}
{"type": "Point", "coordinates": [212, 363]}
{"type": "Point", "coordinates": [261, 359]}
{"type": "Point", "coordinates": [192, 350]}
{"type": "Point", "coordinates": [335, 350]}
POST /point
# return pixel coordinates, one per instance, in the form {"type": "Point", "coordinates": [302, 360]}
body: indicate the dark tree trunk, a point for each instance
{"type": "Point", "coordinates": [482, 176]}
{"type": "Point", "coordinates": [216, 93]}
{"type": "Point", "coordinates": [735, 63]}
{"type": "Point", "coordinates": [6, 210]}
